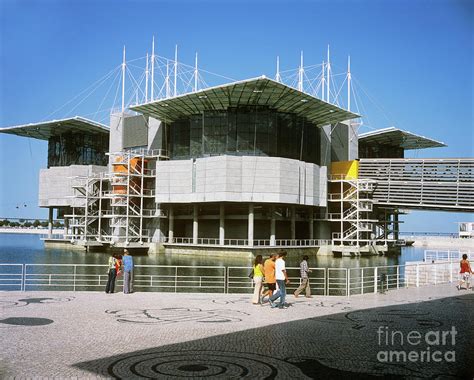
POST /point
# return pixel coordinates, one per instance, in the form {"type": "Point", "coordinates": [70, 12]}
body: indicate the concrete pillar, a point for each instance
{"type": "Point", "coordinates": [396, 227]}
{"type": "Point", "coordinates": [311, 223]}
{"type": "Point", "coordinates": [50, 222]}
{"type": "Point", "coordinates": [170, 224]}
{"type": "Point", "coordinates": [250, 225]}
{"type": "Point", "coordinates": [195, 224]}
{"type": "Point", "coordinates": [272, 226]}
{"type": "Point", "coordinates": [293, 222]}
{"type": "Point", "coordinates": [221, 223]}
{"type": "Point", "coordinates": [66, 227]}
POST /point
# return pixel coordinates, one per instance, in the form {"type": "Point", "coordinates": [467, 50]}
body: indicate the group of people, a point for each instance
{"type": "Point", "coordinates": [117, 265]}
{"type": "Point", "coordinates": [270, 279]}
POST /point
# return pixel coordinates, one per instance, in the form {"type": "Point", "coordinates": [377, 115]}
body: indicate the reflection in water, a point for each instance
{"type": "Point", "coordinates": [26, 248]}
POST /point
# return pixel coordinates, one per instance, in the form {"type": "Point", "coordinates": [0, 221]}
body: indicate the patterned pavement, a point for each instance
{"type": "Point", "coordinates": [421, 332]}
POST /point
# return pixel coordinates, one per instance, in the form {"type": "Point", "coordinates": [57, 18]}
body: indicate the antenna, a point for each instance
{"type": "Point", "coordinates": [349, 83]}
{"type": "Point", "coordinates": [323, 81]}
{"type": "Point", "coordinates": [175, 68]}
{"type": "Point", "coordinates": [300, 74]}
{"type": "Point", "coordinates": [278, 76]}
{"type": "Point", "coordinates": [123, 80]}
{"type": "Point", "coordinates": [152, 67]}
{"type": "Point", "coordinates": [329, 78]}
{"type": "Point", "coordinates": [196, 73]}
{"type": "Point", "coordinates": [146, 80]}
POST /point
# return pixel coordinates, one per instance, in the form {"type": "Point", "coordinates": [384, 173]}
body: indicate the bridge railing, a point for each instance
{"type": "Point", "coordinates": [220, 279]}
{"type": "Point", "coordinates": [432, 255]}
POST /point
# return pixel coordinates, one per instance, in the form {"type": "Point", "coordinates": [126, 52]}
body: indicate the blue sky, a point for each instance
{"type": "Point", "coordinates": [414, 57]}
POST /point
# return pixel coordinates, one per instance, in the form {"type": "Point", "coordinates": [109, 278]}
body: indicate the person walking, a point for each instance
{"type": "Point", "coordinates": [465, 272]}
{"type": "Point", "coordinates": [269, 272]}
{"type": "Point", "coordinates": [257, 279]}
{"type": "Point", "coordinates": [282, 280]}
{"type": "Point", "coordinates": [127, 271]}
{"type": "Point", "coordinates": [112, 274]}
{"type": "Point", "coordinates": [304, 270]}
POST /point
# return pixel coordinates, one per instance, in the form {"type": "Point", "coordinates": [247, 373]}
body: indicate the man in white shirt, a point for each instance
{"type": "Point", "coordinates": [282, 281]}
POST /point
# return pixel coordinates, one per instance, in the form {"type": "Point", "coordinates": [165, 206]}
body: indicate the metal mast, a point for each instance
{"type": "Point", "coordinates": [196, 73]}
{"type": "Point", "coordinates": [146, 79]}
{"type": "Point", "coordinates": [349, 83]}
{"type": "Point", "coordinates": [123, 80]}
{"type": "Point", "coordinates": [328, 78]}
{"type": "Point", "coordinates": [300, 73]}
{"type": "Point", "coordinates": [152, 67]}
{"type": "Point", "coordinates": [323, 82]}
{"type": "Point", "coordinates": [167, 79]}
{"type": "Point", "coordinates": [278, 76]}
{"type": "Point", "coordinates": [175, 68]}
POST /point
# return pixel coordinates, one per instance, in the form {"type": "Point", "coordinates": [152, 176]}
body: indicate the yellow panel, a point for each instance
{"type": "Point", "coordinates": [345, 169]}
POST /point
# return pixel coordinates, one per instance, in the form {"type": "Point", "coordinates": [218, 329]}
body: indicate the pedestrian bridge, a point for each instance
{"type": "Point", "coordinates": [425, 184]}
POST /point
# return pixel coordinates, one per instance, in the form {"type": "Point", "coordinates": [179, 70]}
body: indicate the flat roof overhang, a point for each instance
{"type": "Point", "coordinates": [47, 129]}
{"type": "Point", "coordinates": [260, 91]}
{"type": "Point", "coordinates": [397, 137]}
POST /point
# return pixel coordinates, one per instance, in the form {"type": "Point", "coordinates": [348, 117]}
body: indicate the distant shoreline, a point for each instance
{"type": "Point", "coordinates": [32, 231]}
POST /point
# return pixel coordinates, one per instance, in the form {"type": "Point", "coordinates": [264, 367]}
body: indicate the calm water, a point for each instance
{"type": "Point", "coordinates": [29, 249]}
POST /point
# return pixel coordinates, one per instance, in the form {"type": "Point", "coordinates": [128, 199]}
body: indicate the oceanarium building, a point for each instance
{"type": "Point", "coordinates": [244, 166]}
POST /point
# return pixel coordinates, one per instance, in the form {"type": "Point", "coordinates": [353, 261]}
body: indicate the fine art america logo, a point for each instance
{"type": "Point", "coordinates": [414, 346]}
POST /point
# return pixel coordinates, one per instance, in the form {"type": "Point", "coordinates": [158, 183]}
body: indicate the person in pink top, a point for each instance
{"type": "Point", "coordinates": [465, 272]}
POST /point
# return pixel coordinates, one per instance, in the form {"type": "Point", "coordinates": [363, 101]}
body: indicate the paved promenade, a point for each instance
{"type": "Point", "coordinates": [162, 335]}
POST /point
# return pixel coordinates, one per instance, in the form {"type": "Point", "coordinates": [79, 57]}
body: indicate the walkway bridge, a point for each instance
{"type": "Point", "coordinates": [424, 184]}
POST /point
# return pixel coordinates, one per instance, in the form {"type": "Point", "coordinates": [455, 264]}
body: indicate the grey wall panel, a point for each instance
{"type": "Point", "coordinates": [135, 131]}
{"type": "Point", "coordinates": [240, 179]}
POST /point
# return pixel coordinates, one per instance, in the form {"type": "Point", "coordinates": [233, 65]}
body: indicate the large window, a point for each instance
{"type": "Point", "coordinates": [245, 131]}
{"type": "Point", "coordinates": [77, 149]}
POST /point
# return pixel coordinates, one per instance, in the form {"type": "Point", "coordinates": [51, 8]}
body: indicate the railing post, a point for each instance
{"type": "Point", "coordinates": [375, 279]}
{"type": "Point", "coordinates": [450, 271]}
{"type": "Point", "coordinates": [23, 277]}
{"type": "Point", "coordinates": [175, 279]}
{"type": "Point", "coordinates": [348, 279]}
{"type": "Point", "coordinates": [417, 278]}
{"type": "Point", "coordinates": [74, 286]}
{"type": "Point", "coordinates": [362, 281]}
{"type": "Point", "coordinates": [398, 276]}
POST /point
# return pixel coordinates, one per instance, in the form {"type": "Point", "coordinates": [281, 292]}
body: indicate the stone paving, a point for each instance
{"type": "Point", "coordinates": [163, 335]}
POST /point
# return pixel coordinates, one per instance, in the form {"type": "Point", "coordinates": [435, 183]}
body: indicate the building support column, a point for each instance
{"type": "Point", "coordinates": [195, 224]}
{"type": "Point", "coordinates": [170, 224]}
{"type": "Point", "coordinates": [272, 227]}
{"type": "Point", "coordinates": [250, 225]}
{"type": "Point", "coordinates": [66, 227]}
{"type": "Point", "coordinates": [50, 222]}
{"type": "Point", "coordinates": [293, 222]}
{"type": "Point", "coordinates": [396, 226]}
{"type": "Point", "coordinates": [221, 224]}
{"type": "Point", "coordinates": [311, 223]}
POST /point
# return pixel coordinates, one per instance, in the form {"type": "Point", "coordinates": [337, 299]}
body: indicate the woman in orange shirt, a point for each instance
{"type": "Point", "coordinates": [465, 272]}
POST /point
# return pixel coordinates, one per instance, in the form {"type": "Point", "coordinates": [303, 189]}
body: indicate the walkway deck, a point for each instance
{"type": "Point", "coordinates": [91, 334]}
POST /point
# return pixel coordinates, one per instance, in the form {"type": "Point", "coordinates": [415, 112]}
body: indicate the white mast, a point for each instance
{"type": "Point", "coordinates": [167, 79]}
{"type": "Point", "coordinates": [123, 80]}
{"type": "Point", "coordinates": [328, 79]}
{"type": "Point", "coordinates": [278, 76]}
{"type": "Point", "coordinates": [175, 68]}
{"type": "Point", "coordinates": [146, 79]}
{"type": "Point", "coordinates": [152, 68]}
{"type": "Point", "coordinates": [349, 83]}
{"type": "Point", "coordinates": [196, 73]}
{"type": "Point", "coordinates": [323, 82]}
{"type": "Point", "coordinates": [300, 74]}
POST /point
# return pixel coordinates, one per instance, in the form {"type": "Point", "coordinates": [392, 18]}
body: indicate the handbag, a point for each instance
{"type": "Point", "coordinates": [251, 274]}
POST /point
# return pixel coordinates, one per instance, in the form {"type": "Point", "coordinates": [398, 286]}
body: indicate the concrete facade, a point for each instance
{"type": "Point", "coordinates": [241, 179]}
{"type": "Point", "coordinates": [56, 184]}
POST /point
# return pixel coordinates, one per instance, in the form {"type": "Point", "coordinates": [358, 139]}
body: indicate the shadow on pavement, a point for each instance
{"type": "Point", "coordinates": [432, 339]}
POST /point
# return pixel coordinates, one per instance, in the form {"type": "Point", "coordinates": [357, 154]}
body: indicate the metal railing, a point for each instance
{"type": "Point", "coordinates": [245, 242]}
{"type": "Point", "coordinates": [437, 255]}
{"type": "Point", "coordinates": [220, 279]}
